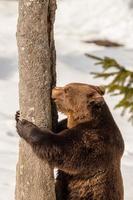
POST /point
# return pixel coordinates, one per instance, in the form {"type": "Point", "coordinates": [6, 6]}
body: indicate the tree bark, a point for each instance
{"type": "Point", "coordinates": [34, 178]}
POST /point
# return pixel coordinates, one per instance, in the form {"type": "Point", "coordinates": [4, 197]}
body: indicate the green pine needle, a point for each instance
{"type": "Point", "coordinates": [121, 82]}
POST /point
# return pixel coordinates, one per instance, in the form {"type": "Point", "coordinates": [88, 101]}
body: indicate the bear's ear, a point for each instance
{"type": "Point", "coordinates": [100, 89]}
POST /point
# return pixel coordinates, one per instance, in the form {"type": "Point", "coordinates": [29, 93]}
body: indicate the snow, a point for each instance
{"type": "Point", "coordinates": [76, 21]}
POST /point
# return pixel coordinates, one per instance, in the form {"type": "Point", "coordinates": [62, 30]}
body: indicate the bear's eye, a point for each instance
{"type": "Point", "coordinates": [66, 90]}
{"type": "Point", "coordinates": [90, 95]}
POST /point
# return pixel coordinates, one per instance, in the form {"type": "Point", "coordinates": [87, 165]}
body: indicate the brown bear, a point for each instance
{"type": "Point", "coordinates": [88, 148]}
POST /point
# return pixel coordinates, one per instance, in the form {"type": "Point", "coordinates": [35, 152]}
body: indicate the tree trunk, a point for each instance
{"type": "Point", "coordinates": [34, 178]}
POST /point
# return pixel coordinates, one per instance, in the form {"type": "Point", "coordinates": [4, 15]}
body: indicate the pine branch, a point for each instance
{"type": "Point", "coordinates": [121, 82]}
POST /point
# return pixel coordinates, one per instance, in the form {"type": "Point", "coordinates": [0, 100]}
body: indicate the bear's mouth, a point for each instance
{"type": "Point", "coordinates": [54, 99]}
{"type": "Point", "coordinates": [59, 104]}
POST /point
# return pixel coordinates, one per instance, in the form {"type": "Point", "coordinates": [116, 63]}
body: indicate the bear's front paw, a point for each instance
{"type": "Point", "coordinates": [21, 126]}
{"type": "Point", "coordinates": [25, 129]}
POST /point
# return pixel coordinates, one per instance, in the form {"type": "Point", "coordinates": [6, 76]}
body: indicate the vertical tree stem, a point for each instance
{"type": "Point", "coordinates": [34, 178]}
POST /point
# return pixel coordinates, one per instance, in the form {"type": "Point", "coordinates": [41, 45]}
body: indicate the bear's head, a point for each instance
{"type": "Point", "coordinates": [76, 101]}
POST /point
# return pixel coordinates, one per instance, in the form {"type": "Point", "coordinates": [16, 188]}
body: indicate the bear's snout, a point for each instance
{"type": "Point", "coordinates": [57, 93]}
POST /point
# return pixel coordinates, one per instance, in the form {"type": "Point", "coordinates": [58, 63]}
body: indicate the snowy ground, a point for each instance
{"type": "Point", "coordinates": [76, 21]}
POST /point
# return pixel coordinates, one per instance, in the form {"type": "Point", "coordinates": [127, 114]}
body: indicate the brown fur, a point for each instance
{"type": "Point", "coordinates": [87, 152]}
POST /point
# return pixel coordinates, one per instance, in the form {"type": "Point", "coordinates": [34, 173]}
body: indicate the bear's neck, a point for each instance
{"type": "Point", "coordinates": [95, 117]}
{"type": "Point", "coordinates": [73, 119]}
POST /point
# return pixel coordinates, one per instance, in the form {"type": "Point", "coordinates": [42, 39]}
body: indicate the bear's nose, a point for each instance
{"type": "Point", "coordinates": [57, 92]}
